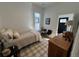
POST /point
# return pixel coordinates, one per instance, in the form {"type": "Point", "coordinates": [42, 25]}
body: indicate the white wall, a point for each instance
{"type": "Point", "coordinates": [75, 50]}
{"type": "Point", "coordinates": [16, 15]}
{"type": "Point", "coordinates": [59, 9]}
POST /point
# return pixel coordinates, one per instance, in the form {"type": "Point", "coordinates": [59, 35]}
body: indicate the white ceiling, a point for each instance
{"type": "Point", "coordinates": [45, 4]}
{"type": "Point", "coordinates": [54, 4]}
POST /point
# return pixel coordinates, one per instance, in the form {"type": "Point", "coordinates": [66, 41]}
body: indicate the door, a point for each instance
{"type": "Point", "coordinates": [62, 27]}
{"type": "Point", "coordinates": [37, 21]}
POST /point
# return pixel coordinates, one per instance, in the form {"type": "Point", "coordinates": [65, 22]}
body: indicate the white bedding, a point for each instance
{"type": "Point", "coordinates": [27, 38]}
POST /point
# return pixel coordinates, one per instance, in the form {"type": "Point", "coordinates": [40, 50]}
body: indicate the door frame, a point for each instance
{"type": "Point", "coordinates": [67, 18]}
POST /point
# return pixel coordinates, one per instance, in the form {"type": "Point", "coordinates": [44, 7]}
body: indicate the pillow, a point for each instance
{"type": "Point", "coordinates": [16, 35]}
{"type": "Point", "coordinates": [8, 33]}
{"type": "Point", "coordinates": [6, 52]}
{"type": "Point", "coordinates": [3, 30]}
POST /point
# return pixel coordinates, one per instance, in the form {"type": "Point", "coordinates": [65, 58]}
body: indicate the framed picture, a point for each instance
{"type": "Point", "coordinates": [47, 21]}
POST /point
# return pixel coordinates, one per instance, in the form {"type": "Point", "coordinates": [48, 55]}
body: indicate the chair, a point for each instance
{"type": "Point", "coordinates": [46, 32]}
{"type": "Point", "coordinates": [49, 32]}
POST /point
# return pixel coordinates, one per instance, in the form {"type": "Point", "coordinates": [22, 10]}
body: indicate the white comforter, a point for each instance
{"type": "Point", "coordinates": [27, 38]}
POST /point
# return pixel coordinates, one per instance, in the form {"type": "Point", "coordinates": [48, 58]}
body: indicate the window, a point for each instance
{"type": "Point", "coordinates": [37, 21]}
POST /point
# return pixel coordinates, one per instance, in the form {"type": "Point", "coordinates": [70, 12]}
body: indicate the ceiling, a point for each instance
{"type": "Point", "coordinates": [54, 4]}
{"type": "Point", "coordinates": [46, 4]}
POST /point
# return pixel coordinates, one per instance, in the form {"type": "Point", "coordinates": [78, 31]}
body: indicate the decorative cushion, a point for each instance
{"type": "Point", "coordinates": [16, 35]}
{"type": "Point", "coordinates": [3, 30]}
{"type": "Point", "coordinates": [8, 33]}
{"type": "Point", "coordinates": [6, 52]}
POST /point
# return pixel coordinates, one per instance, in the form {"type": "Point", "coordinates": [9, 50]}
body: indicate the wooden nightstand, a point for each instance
{"type": "Point", "coordinates": [58, 47]}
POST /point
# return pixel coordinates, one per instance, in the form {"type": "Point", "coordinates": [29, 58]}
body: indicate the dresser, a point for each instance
{"type": "Point", "coordinates": [59, 46]}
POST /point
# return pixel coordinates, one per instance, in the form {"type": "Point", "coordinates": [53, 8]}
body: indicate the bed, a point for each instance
{"type": "Point", "coordinates": [26, 39]}
{"type": "Point", "coordinates": [23, 39]}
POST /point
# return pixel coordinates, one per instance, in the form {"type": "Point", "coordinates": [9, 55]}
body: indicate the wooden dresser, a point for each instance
{"type": "Point", "coordinates": [58, 46]}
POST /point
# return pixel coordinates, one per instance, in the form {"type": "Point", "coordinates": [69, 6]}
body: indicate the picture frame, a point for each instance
{"type": "Point", "coordinates": [47, 21]}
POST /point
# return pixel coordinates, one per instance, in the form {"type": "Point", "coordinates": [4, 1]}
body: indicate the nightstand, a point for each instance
{"type": "Point", "coordinates": [58, 47]}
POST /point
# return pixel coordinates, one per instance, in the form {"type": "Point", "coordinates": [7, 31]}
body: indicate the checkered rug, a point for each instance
{"type": "Point", "coordinates": [38, 49]}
